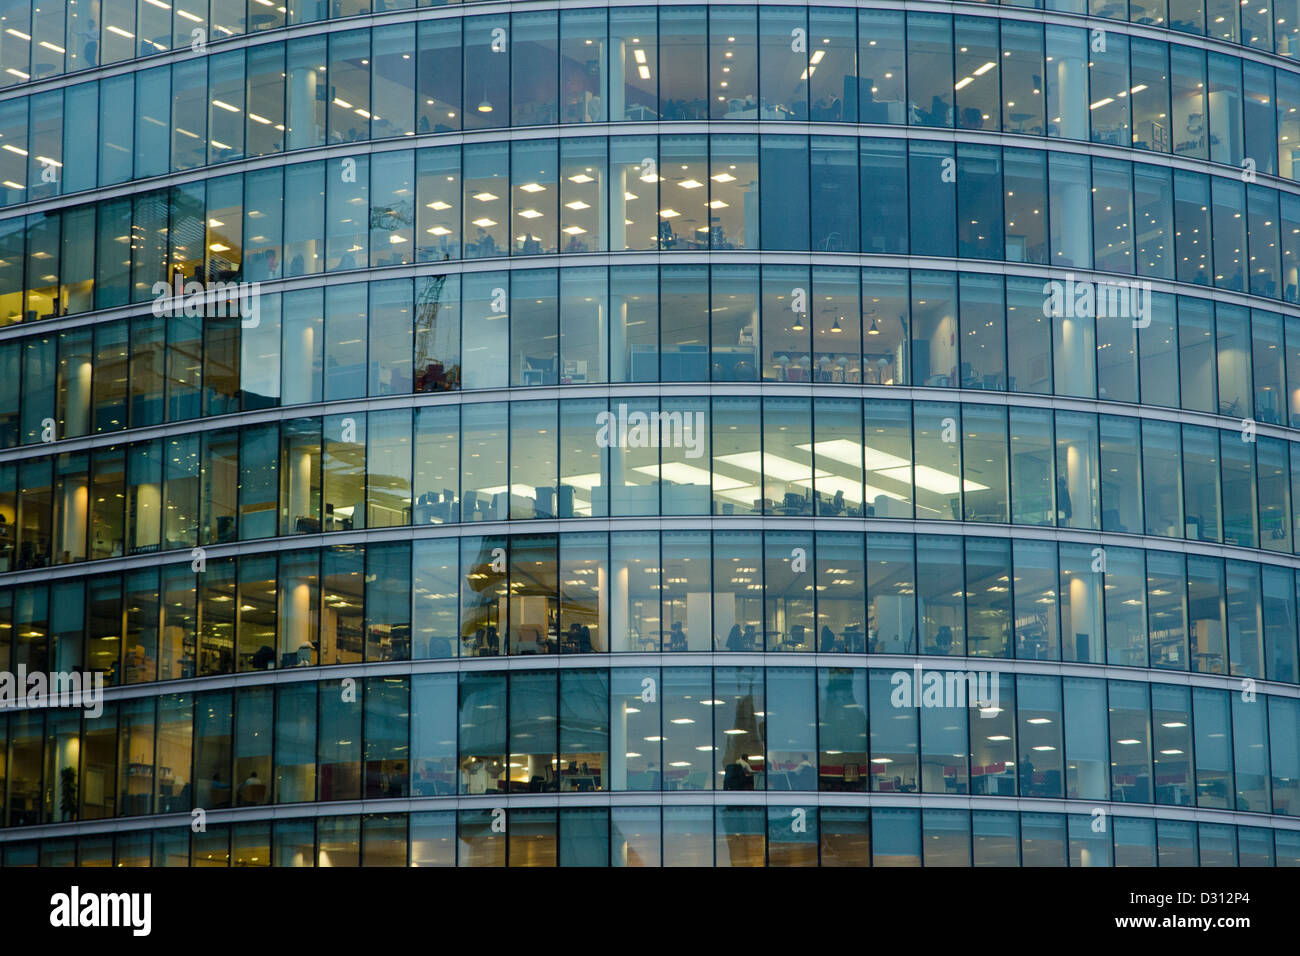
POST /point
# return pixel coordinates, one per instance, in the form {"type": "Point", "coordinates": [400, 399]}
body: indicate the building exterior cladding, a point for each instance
{"type": "Point", "coordinates": [621, 430]}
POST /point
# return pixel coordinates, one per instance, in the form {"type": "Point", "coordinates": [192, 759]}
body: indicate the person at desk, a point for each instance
{"type": "Point", "coordinates": [264, 658]}
{"type": "Point", "coordinates": [739, 775]}
{"type": "Point", "coordinates": [943, 640]}
{"type": "Point", "coordinates": [218, 788]}
{"type": "Point", "coordinates": [677, 637]}
{"type": "Point", "coordinates": [572, 636]}
{"type": "Point", "coordinates": [252, 790]}
{"type": "Point", "coordinates": [827, 641]}
{"type": "Point", "coordinates": [735, 642]}
{"type": "Point", "coordinates": [805, 774]}
{"type": "Point", "coordinates": [1026, 776]}
{"type": "Point", "coordinates": [796, 637]}
{"type": "Point", "coordinates": [750, 638]}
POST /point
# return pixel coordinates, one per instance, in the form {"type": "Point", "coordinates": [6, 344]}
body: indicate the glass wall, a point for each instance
{"type": "Point", "coordinates": [585, 592]}
{"type": "Point", "coordinates": [588, 730]}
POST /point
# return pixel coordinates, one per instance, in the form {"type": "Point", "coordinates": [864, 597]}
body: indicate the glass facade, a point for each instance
{"type": "Point", "coordinates": [467, 437]}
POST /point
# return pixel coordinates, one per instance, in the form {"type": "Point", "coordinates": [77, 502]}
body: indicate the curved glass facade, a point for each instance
{"type": "Point", "coordinates": [831, 195]}
{"type": "Point", "coordinates": [655, 435]}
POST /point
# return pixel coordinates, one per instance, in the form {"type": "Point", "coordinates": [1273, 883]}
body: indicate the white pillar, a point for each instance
{"type": "Point", "coordinates": [618, 749]}
{"type": "Point", "coordinates": [619, 637]}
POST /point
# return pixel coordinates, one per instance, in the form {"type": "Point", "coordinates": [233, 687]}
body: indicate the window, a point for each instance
{"type": "Point", "coordinates": [583, 69]}
{"type": "Point", "coordinates": [534, 339]}
{"type": "Point", "coordinates": [486, 200]}
{"type": "Point", "coordinates": [682, 62]}
{"type": "Point", "coordinates": [304, 193]}
{"type": "Point", "coordinates": [988, 602]}
{"type": "Point", "coordinates": [842, 729]}
{"type": "Point", "coordinates": [533, 475]}
{"type": "Point", "coordinates": [264, 96]}
{"type": "Point", "coordinates": [392, 77]}
{"type": "Point", "coordinates": [387, 733]}
{"type": "Point", "coordinates": [390, 332]}
{"type": "Point", "coordinates": [437, 333]}
{"type": "Point", "coordinates": [534, 189]}
{"type": "Point", "coordinates": [633, 34]}
{"type": "Point", "coordinates": [582, 190]}
{"type": "Point", "coordinates": [929, 69]}
{"type": "Point", "coordinates": [391, 215]}
{"type": "Point", "coordinates": [388, 465]}
{"type": "Point", "coordinates": [784, 214]}
{"type": "Point", "coordinates": [634, 594]}
{"type": "Point", "coordinates": [345, 334]}
{"type": "Point", "coordinates": [339, 743]}
{"type": "Point", "coordinates": [789, 607]}
{"type": "Point", "coordinates": [685, 591]}
{"type": "Point", "coordinates": [1022, 72]}
{"type": "Point", "coordinates": [933, 199]}
{"type": "Point", "coordinates": [534, 62]}
{"type": "Point", "coordinates": [347, 232]}
{"type": "Point", "coordinates": [438, 78]}
{"type": "Point", "coordinates": [433, 587]}
{"type": "Point", "coordinates": [894, 744]}
{"type": "Point", "coordinates": [1085, 739]}
{"type": "Point", "coordinates": [1024, 206]}
{"type": "Point", "coordinates": [487, 71]}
